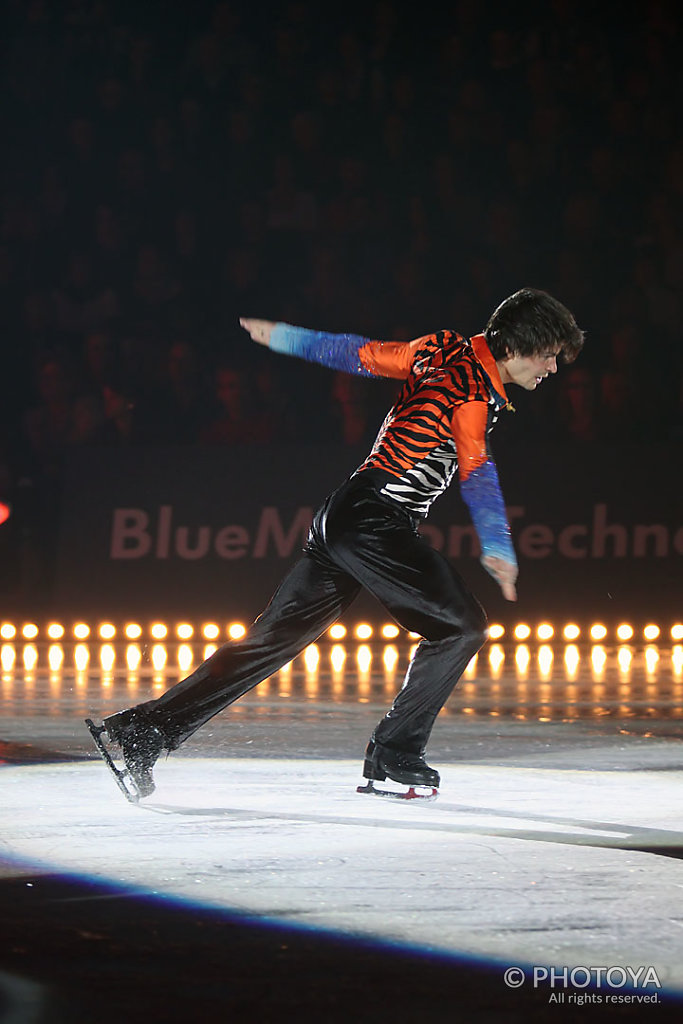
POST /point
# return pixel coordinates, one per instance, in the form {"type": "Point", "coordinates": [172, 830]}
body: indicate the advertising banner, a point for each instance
{"type": "Point", "coordinates": [211, 531]}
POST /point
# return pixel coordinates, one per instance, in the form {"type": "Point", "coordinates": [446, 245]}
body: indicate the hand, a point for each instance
{"type": "Point", "coordinates": [259, 330]}
{"type": "Point", "coordinates": [504, 573]}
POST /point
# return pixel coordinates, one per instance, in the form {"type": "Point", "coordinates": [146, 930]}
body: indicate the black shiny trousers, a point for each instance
{"type": "Point", "coordinates": [357, 539]}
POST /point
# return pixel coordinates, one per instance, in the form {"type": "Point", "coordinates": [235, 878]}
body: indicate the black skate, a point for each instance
{"type": "Point", "coordinates": [405, 776]}
{"type": "Point", "coordinates": [140, 743]}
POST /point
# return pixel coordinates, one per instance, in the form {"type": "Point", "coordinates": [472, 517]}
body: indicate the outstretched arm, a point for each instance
{"type": "Point", "coordinates": [481, 492]}
{"type": "Point", "coordinates": [350, 353]}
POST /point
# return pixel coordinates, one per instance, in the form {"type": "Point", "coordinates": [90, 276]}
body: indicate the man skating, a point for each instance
{"type": "Point", "coordinates": [365, 534]}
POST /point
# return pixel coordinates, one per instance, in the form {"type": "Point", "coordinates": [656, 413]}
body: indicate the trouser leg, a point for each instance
{"type": "Point", "coordinates": [310, 598]}
{"type": "Point", "coordinates": [432, 675]}
{"type": "Point", "coordinates": [381, 548]}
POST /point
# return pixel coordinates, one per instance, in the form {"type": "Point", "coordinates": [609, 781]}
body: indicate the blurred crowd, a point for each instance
{"type": "Point", "coordinates": [170, 167]}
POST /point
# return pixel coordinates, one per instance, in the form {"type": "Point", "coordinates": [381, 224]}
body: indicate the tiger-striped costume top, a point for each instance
{"type": "Point", "coordinates": [439, 423]}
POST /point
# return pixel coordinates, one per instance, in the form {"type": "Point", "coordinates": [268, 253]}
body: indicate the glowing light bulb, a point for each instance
{"type": "Point", "coordinates": [571, 631]}
{"type": "Point", "coordinates": [159, 631]}
{"type": "Point", "coordinates": [363, 631]}
{"type": "Point", "coordinates": [496, 631]}
{"type": "Point", "coordinates": [545, 661]}
{"type": "Point", "coordinates": [81, 631]}
{"type": "Point", "coordinates": [107, 657]}
{"type": "Point", "coordinates": [522, 631]}
{"type": "Point", "coordinates": [522, 658]}
{"type": "Point", "coordinates": [364, 658]}
{"type": "Point", "coordinates": [29, 631]}
{"type": "Point", "coordinates": [55, 657]}
{"type": "Point", "coordinates": [677, 659]}
{"type": "Point", "coordinates": [677, 631]}
{"type": "Point", "coordinates": [184, 631]}
{"type": "Point", "coordinates": [236, 631]}
{"type": "Point", "coordinates": [337, 658]}
{"type": "Point", "coordinates": [651, 632]}
{"type": "Point", "coordinates": [624, 659]}
{"type": "Point", "coordinates": [81, 657]}
{"type": "Point", "coordinates": [185, 657]}
{"type": "Point", "coordinates": [133, 631]}
{"type": "Point", "coordinates": [390, 631]}
{"type": "Point", "coordinates": [496, 659]}
{"type": "Point", "coordinates": [107, 631]}
{"type": "Point", "coordinates": [337, 632]}
{"type": "Point", "coordinates": [210, 631]}
{"type": "Point", "coordinates": [8, 631]}
{"type": "Point", "coordinates": [311, 657]}
{"type": "Point", "coordinates": [390, 658]}
{"type": "Point", "coordinates": [598, 660]}
{"type": "Point", "coordinates": [545, 631]}
{"type": "Point", "coordinates": [55, 631]}
{"type": "Point", "coordinates": [8, 657]}
{"type": "Point", "coordinates": [571, 659]}
{"type": "Point", "coordinates": [159, 657]}
{"type": "Point", "coordinates": [133, 657]}
{"type": "Point", "coordinates": [598, 631]}
{"type": "Point", "coordinates": [624, 631]}
{"type": "Point", "coordinates": [30, 657]}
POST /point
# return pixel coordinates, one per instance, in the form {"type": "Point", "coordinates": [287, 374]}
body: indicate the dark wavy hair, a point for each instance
{"type": "Point", "coordinates": [532, 322]}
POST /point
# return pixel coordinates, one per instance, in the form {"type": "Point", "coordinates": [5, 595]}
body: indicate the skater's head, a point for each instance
{"type": "Point", "coordinates": [532, 323]}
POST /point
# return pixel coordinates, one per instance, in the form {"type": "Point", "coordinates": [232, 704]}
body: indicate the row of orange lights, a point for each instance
{"type": "Point", "coordinates": [211, 631]}
{"type": "Point", "coordinates": [131, 631]}
{"type": "Point", "coordinates": [597, 632]}
{"type": "Point", "coordinates": [160, 659]}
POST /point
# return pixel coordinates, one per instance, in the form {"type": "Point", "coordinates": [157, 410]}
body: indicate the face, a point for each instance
{"type": "Point", "coordinates": [528, 371]}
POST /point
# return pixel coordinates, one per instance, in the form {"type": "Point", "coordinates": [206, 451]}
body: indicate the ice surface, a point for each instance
{"type": "Point", "coordinates": [581, 865]}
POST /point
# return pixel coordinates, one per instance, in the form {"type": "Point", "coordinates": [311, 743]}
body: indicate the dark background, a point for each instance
{"type": "Point", "coordinates": [362, 167]}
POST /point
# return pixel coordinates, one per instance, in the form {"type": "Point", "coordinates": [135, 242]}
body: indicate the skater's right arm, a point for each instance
{"type": "Point", "coordinates": [350, 353]}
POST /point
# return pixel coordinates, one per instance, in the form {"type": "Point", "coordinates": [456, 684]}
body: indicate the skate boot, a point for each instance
{"type": "Point", "coordinates": [413, 776]}
{"type": "Point", "coordinates": [141, 743]}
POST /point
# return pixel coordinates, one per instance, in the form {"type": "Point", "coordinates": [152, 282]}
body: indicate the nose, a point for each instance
{"type": "Point", "coordinates": [552, 364]}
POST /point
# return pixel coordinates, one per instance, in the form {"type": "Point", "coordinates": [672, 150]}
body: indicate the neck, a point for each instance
{"type": "Point", "coordinates": [502, 370]}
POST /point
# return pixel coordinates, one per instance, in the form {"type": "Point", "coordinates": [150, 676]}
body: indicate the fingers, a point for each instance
{"type": "Point", "coordinates": [505, 575]}
{"type": "Point", "coordinates": [258, 330]}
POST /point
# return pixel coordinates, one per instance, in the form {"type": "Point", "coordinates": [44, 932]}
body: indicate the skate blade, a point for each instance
{"type": "Point", "coordinates": [122, 777]}
{"type": "Point", "coordinates": [403, 793]}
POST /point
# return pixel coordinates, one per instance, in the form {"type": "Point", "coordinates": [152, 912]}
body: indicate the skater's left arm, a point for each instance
{"type": "Point", "coordinates": [351, 353]}
{"type": "Point", "coordinates": [480, 489]}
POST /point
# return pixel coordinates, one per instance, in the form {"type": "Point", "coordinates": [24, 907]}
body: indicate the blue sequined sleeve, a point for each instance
{"type": "Point", "coordinates": [482, 494]}
{"type": "Point", "coordinates": [338, 351]}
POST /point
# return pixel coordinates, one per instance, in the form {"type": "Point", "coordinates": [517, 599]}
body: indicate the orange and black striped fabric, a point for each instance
{"type": "Point", "coordinates": [440, 420]}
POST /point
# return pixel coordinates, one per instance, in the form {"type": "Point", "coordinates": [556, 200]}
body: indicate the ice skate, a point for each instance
{"type": "Point", "coordinates": [140, 743]}
{"type": "Point", "coordinates": [403, 775]}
